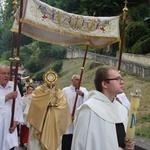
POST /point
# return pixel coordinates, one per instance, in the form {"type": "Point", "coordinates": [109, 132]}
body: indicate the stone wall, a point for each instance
{"type": "Point", "coordinates": [136, 58]}
{"type": "Point", "coordinates": [132, 64]}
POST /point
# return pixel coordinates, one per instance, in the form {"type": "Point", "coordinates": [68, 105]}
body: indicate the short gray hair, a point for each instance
{"type": "Point", "coordinates": [4, 65]}
{"type": "Point", "coordinates": [74, 75]}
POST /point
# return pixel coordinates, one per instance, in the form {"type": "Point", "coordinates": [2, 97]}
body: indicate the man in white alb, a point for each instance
{"type": "Point", "coordinates": [71, 92]}
{"type": "Point", "coordinates": [8, 135]}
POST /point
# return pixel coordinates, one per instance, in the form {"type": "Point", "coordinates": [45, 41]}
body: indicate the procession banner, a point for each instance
{"type": "Point", "coordinates": [48, 24]}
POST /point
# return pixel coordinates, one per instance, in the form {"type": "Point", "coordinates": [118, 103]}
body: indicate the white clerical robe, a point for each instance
{"type": "Point", "coordinates": [9, 140]}
{"type": "Point", "coordinates": [26, 101]}
{"type": "Point", "coordinates": [124, 100]}
{"type": "Point", "coordinates": [70, 93]}
{"type": "Point", "coordinates": [94, 125]}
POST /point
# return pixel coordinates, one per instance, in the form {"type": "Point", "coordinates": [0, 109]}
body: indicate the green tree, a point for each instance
{"type": "Point", "coordinates": [39, 75]}
{"type": "Point", "coordinates": [140, 12]}
{"type": "Point", "coordinates": [57, 66]}
{"type": "Point", "coordinates": [5, 36]}
{"type": "Point", "coordinates": [8, 10]}
{"type": "Point", "coordinates": [134, 31]}
{"type": "Point", "coordinates": [51, 50]}
{"type": "Point", "coordinates": [33, 65]}
{"type": "Point", "coordinates": [1, 14]}
{"type": "Point", "coordinates": [58, 51]}
{"type": "Point", "coordinates": [5, 55]}
{"type": "Point", "coordinates": [44, 50]}
{"type": "Point", "coordinates": [142, 46]}
{"type": "Point", "coordinates": [27, 50]}
{"type": "Point", "coordinates": [103, 7]}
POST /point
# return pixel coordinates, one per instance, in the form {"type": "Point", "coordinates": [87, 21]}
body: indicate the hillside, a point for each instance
{"type": "Point", "coordinates": [71, 66]}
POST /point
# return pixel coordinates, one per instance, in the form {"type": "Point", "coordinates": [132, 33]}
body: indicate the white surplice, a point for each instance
{"type": "Point", "coordinates": [9, 140]}
{"type": "Point", "coordinates": [124, 100]}
{"type": "Point", "coordinates": [70, 93]}
{"type": "Point", "coordinates": [94, 125]}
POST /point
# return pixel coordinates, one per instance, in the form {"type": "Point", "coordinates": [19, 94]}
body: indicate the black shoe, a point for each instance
{"type": "Point", "coordinates": [22, 145]}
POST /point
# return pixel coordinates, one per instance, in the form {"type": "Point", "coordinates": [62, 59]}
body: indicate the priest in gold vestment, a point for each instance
{"type": "Point", "coordinates": [49, 115]}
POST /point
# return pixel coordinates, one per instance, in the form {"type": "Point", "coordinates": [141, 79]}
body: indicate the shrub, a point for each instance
{"type": "Point", "coordinates": [139, 12]}
{"type": "Point", "coordinates": [142, 46]}
{"type": "Point", "coordinates": [57, 66]}
{"type": "Point", "coordinates": [134, 31]}
{"type": "Point", "coordinates": [33, 66]}
{"type": "Point", "coordinates": [39, 75]}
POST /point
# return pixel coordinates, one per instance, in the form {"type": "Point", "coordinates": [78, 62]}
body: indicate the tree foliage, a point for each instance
{"type": "Point", "coordinates": [5, 36]}
{"type": "Point", "coordinates": [8, 10]}
{"type": "Point", "coordinates": [142, 46]}
{"type": "Point", "coordinates": [39, 75]}
{"type": "Point", "coordinates": [1, 14]}
{"type": "Point", "coordinates": [33, 65]}
{"type": "Point", "coordinates": [57, 66]}
{"type": "Point", "coordinates": [140, 12]}
{"type": "Point", "coordinates": [50, 50]}
{"type": "Point", "coordinates": [134, 31]}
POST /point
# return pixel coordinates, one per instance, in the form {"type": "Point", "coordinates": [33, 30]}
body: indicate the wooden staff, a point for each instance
{"type": "Point", "coordinates": [11, 56]}
{"type": "Point", "coordinates": [16, 59]}
{"type": "Point", "coordinates": [11, 59]}
{"type": "Point", "coordinates": [81, 74]}
{"type": "Point", "coordinates": [125, 9]}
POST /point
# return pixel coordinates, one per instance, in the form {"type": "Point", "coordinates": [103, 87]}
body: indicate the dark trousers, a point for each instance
{"type": "Point", "coordinates": [12, 148]}
{"type": "Point", "coordinates": [66, 142]}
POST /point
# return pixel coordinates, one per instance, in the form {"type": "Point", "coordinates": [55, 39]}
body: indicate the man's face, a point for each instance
{"type": "Point", "coordinates": [4, 76]}
{"type": "Point", "coordinates": [75, 81]}
{"type": "Point", "coordinates": [116, 84]}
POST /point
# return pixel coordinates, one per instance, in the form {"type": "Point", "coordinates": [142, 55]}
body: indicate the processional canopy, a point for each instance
{"type": "Point", "coordinates": [43, 22]}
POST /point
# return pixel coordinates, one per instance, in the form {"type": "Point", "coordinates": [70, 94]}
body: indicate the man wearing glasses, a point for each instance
{"type": "Point", "coordinates": [101, 121]}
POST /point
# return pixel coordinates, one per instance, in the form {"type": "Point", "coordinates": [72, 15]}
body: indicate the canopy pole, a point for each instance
{"type": "Point", "coordinates": [11, 59]}
{"type": "Point", "coordinates": [125, 9]}
{"type": "Point", "coordinates": [81, 74]}
{"type": "Point", "coordinates": [16, 59]}
{"type": "Point", "coordinates": [11, 56]}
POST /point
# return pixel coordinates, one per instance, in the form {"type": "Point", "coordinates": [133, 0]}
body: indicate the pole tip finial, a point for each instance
{"type": "Point", "coordinates": [125, 7]}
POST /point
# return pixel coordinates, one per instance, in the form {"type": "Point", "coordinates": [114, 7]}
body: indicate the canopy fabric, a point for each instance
{"type": "Point", "coordinates": [48, 24]}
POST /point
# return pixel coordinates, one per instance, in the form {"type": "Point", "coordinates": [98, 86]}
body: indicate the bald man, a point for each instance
{"type": "Point", "coordinates": [8, 135]}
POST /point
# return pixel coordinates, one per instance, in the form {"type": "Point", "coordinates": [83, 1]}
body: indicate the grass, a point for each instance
{"type": "Point", "coordinates": [72, 66]}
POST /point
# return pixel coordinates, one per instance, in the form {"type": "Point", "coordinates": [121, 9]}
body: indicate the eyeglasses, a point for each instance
{"type": "Point", "coordinates": [117, 79]}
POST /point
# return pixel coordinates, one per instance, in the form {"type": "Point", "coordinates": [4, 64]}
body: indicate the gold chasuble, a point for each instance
{"type": "Point", "coordinates": [50, 116]}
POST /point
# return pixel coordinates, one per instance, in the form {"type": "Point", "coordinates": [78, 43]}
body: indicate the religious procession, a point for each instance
{"type": "Point", "coordinates": [44, 115]}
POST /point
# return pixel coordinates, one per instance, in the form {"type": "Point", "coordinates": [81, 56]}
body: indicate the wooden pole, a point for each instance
{"type": "Point", "coordinates": [125, 9]}
{"type": "Point", "coordinates": [81, 74]}
{"type": "Point", "coordinates": [11, 59]}
{"type": "Point", "coordinates": [12, 55]}
{"type": "Point", "coordinates": [16, 59]}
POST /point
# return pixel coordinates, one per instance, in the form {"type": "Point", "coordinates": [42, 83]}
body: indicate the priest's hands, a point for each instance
{"type": "Point", "coordinates": [79, 92]}
{"type": "Point", "coordinates": [129, 144]}
{"type": "Point", "coordinates": [11, 95]}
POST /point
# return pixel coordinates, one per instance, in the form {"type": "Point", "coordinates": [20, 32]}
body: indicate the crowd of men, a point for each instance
{"type": "Point", "coordinates": [46, 120]}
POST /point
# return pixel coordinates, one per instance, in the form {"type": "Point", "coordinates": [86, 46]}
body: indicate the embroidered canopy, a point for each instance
{"type": "Point", "coordinates": [48, 24]}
